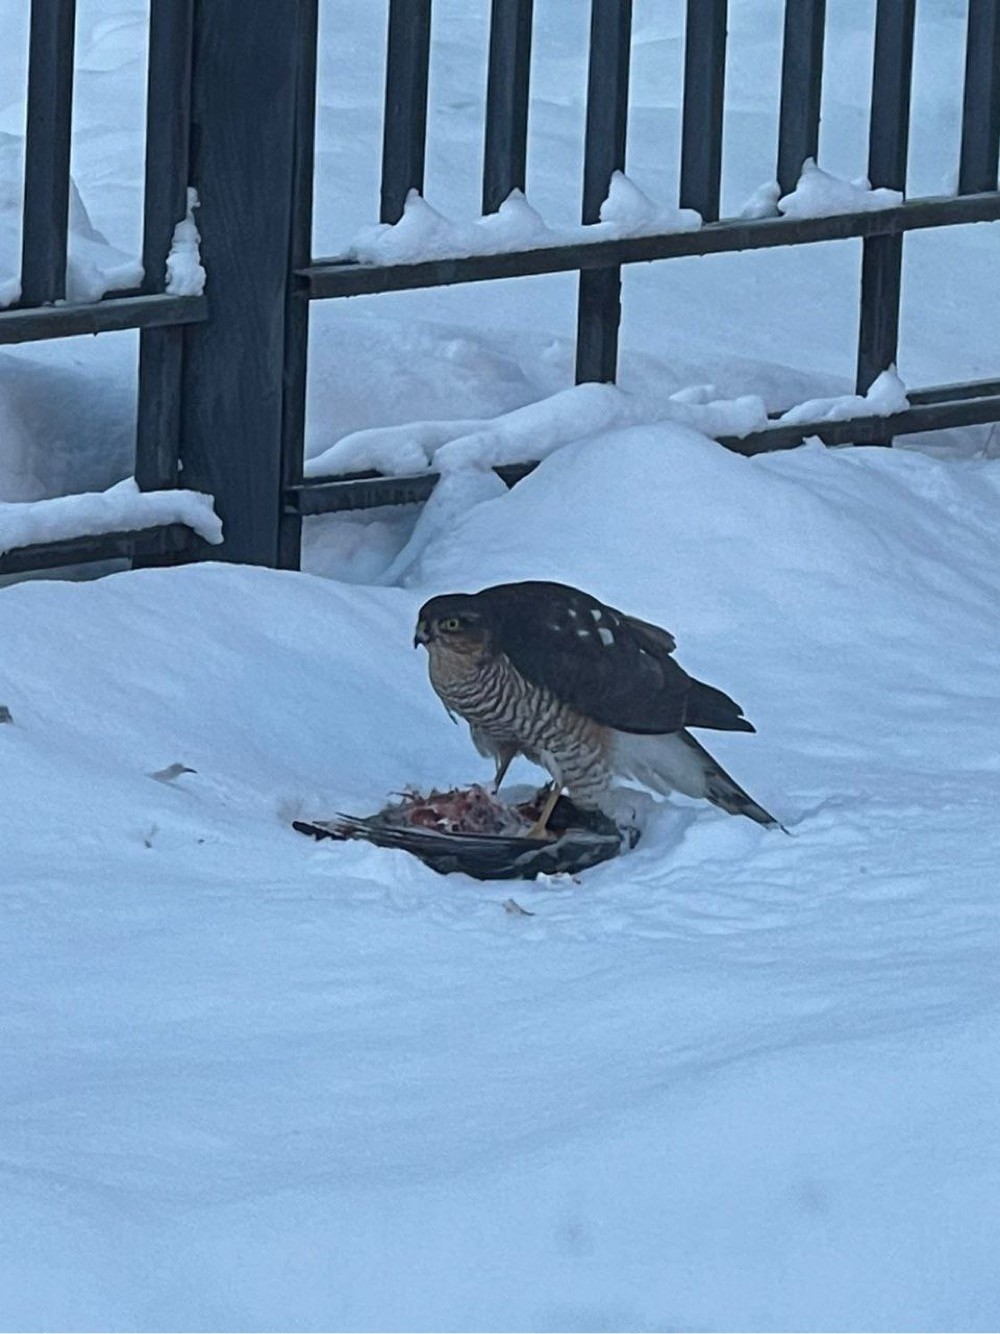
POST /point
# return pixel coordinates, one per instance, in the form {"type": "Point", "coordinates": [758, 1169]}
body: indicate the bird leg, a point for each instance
{"type": "Point", "coordinates": [503, 763]}
{"type": "Point", "coordinates": [504, 759]}
{"type": "Point", "coordinates": [540, 828]}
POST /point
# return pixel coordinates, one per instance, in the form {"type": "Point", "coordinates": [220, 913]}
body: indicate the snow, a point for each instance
{"type": "Point", "coordinates": [633, 213]}
{"type": "Point", "coordinates": [736, 1079]}
{"type": "Point", "coordinates": [93, 268]}
{"type": "Point", "coordinates": [530, 433]}
{"type": "Point", "coordinates": [820, 195]}
{"type": "Point", "coordinates": [185, 274]}
{"type": "Point", "coordinates": [122, 508]}
{"type": "Point", "coordinates": [732, 1080]}
{"type": "Point", "coordinates": [886, 395]}
{"type": "Point", "coordinates": [422, 233]}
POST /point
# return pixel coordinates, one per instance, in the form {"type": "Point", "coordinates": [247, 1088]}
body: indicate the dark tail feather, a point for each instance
{"type": "Point", "coordinates": [709, 707]}
{"type": "Point", "coordinates": [724, 792]}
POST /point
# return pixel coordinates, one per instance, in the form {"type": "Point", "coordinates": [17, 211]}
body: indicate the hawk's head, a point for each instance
{"type": "Point", "coordinates": [452, 622]}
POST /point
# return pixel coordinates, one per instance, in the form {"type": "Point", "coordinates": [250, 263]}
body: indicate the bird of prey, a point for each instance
{"type": "Point", "coordinates": [583, 690]}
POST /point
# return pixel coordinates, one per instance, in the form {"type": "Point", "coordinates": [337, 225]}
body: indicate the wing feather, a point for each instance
{"type": "Point", "coordinates": [612, 667]}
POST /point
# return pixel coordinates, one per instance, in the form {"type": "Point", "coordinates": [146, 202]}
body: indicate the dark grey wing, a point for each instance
{"type": "Point", "coordinates": [609, 666]}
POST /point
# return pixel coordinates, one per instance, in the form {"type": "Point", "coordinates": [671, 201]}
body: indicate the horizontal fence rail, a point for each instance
{"type": "Point", "coordinates": [931, 409]}
{"type": "Point", "coordinates": [336, 278]}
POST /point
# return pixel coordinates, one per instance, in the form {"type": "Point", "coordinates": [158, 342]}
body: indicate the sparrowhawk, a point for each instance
{"type": "Point", "coordinates": [587, 692]}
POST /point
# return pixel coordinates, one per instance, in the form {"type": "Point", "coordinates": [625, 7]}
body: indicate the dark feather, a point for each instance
{"type": "Point", "coordinates": [609, 666]}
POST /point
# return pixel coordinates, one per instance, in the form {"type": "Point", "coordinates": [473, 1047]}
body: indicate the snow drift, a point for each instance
{"type": "Point", "coordinates": [733, 1079]}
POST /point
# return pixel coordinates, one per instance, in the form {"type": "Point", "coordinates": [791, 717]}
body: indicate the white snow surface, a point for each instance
{"type": "Point", "coordinates": [185, 272]}
{"type": "Point", "coordinates": [821, 195]}
{"type": "Point", "coordinates": [732, 1080]}
{"type": "Point", "coordinates": [886, 396]}
{"type": "Point", "coordinates": [532, 432]}
{"type": "Point", "coordinates": [122, 508]}
{"type": "Point", "coordinates": [422, 233]}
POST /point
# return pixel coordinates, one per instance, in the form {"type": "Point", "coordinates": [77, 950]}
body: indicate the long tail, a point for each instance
{"type": "Point", "coordinates": [676, 762]}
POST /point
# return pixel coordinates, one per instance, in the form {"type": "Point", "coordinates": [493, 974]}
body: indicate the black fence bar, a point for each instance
{"type": "Point", "coordinates": [296, 349]}
{"type": "Point", "coordinates": [168, 135]}
{"type": "Point", "coordinates": [131, 312]}
{"type": "Point", "coordinates": [171, 540]}
{"type": "Point", "coordinates": [505, 152]}
{"type": "Point", "coordinates": [158, 423]}
{"type": "Point", "coordinates": [981, 103]}
{"type": "Point", "coordinates": [701, 122]}
{"type": "Point", "coordinates": [882, 259]}
{"type": "Point", "coordinates": [801, 88]}
{"type": "Point", "coordinates": [942, 393]}
{"type": "Point", "coordinates": [47, 151]}
{"type": "Point", "coordinates": [336, 278]}
{"type": "Point", "coordinates": [871, 430]}
{"type": "Point", "coordinates": [243, 118]}
{"type": "Point", "coordinates": [599, 309]}
{"type": "Point", "coordinates": [404, 129]}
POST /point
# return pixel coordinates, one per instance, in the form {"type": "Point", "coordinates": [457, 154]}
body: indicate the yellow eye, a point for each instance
{"type": "Point", "coordinates": [451, 623]}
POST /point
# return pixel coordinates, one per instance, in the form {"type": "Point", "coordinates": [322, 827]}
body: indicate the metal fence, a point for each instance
{"type": "Point", "coordinates": [231, 95]}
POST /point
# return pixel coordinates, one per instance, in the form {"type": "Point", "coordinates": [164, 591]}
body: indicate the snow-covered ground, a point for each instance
{"type": "Point", "coordinates": [732, 1080]}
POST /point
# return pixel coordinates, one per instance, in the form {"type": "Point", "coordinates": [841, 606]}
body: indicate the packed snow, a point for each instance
{"type": "Point", "coordinates": [820, 195]}
{"type": "Point", "coordinates": [532, 432]}
{"type": "Point", "coordinates": [886, 396]}
{"type": "Point", "coordinates": [734, 1079]}
{"type": "Point", "coordinates": [185, 272]}
{"type": "Point", "coordinates": [422, 233]}
{"type": "Point", "coordinates": [122, 508]}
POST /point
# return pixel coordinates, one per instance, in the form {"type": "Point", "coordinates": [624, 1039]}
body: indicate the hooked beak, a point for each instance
{"type": "Point", "coordinates": [423, 634]}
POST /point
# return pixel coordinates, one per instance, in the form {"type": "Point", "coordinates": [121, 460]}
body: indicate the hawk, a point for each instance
{"type": "Point", "coordinates": [581, 689]}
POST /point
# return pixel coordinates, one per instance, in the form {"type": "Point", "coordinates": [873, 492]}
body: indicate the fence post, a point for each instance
{"type": "Point", "coordinates": [243, 144]}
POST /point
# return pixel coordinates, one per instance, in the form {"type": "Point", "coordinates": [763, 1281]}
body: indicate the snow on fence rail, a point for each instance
{"type": "Point", "coordinates": [222, 376]}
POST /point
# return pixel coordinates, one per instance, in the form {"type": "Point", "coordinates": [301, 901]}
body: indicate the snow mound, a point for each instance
{"type": "Point", "coordinates": [236, 1050]}
{"type": "Point", "coordinates": [327, 1088]}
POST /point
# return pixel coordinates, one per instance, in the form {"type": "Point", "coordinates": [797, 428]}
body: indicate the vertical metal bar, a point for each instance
{"type": "Point", "coordinates": [294, 374]}
{"type": "Point", "coordinates": [505, 153]}
{"type": "Point", "coordinates": [981, 103]}
{"type": "Point", "coordinates": [701, 123]}
{"type": "Point", "coordinates": [801, 88]}
{"type": "Point", "coordinates": [882, 259]}
{"type": "Point", "coordinates": [168, 136]}
{"type": "Point", "coordinates": [168, 133]}
{"type": "Point", "coordinates": [244, 74]}
{"type": "Point", "coordinates": [47, 150]}
{"type": "Point", "coordinates": [158, 424]}
{"type": "Point", "coordinates": [599, 310]}
{"type": "Point", "coordinates": [404, 130]}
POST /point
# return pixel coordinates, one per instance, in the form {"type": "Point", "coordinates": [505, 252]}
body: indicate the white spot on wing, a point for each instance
{"type": "Point", "coordinates": [607, 638]}
{"type": "Point", "coordinates": [595, 612]}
